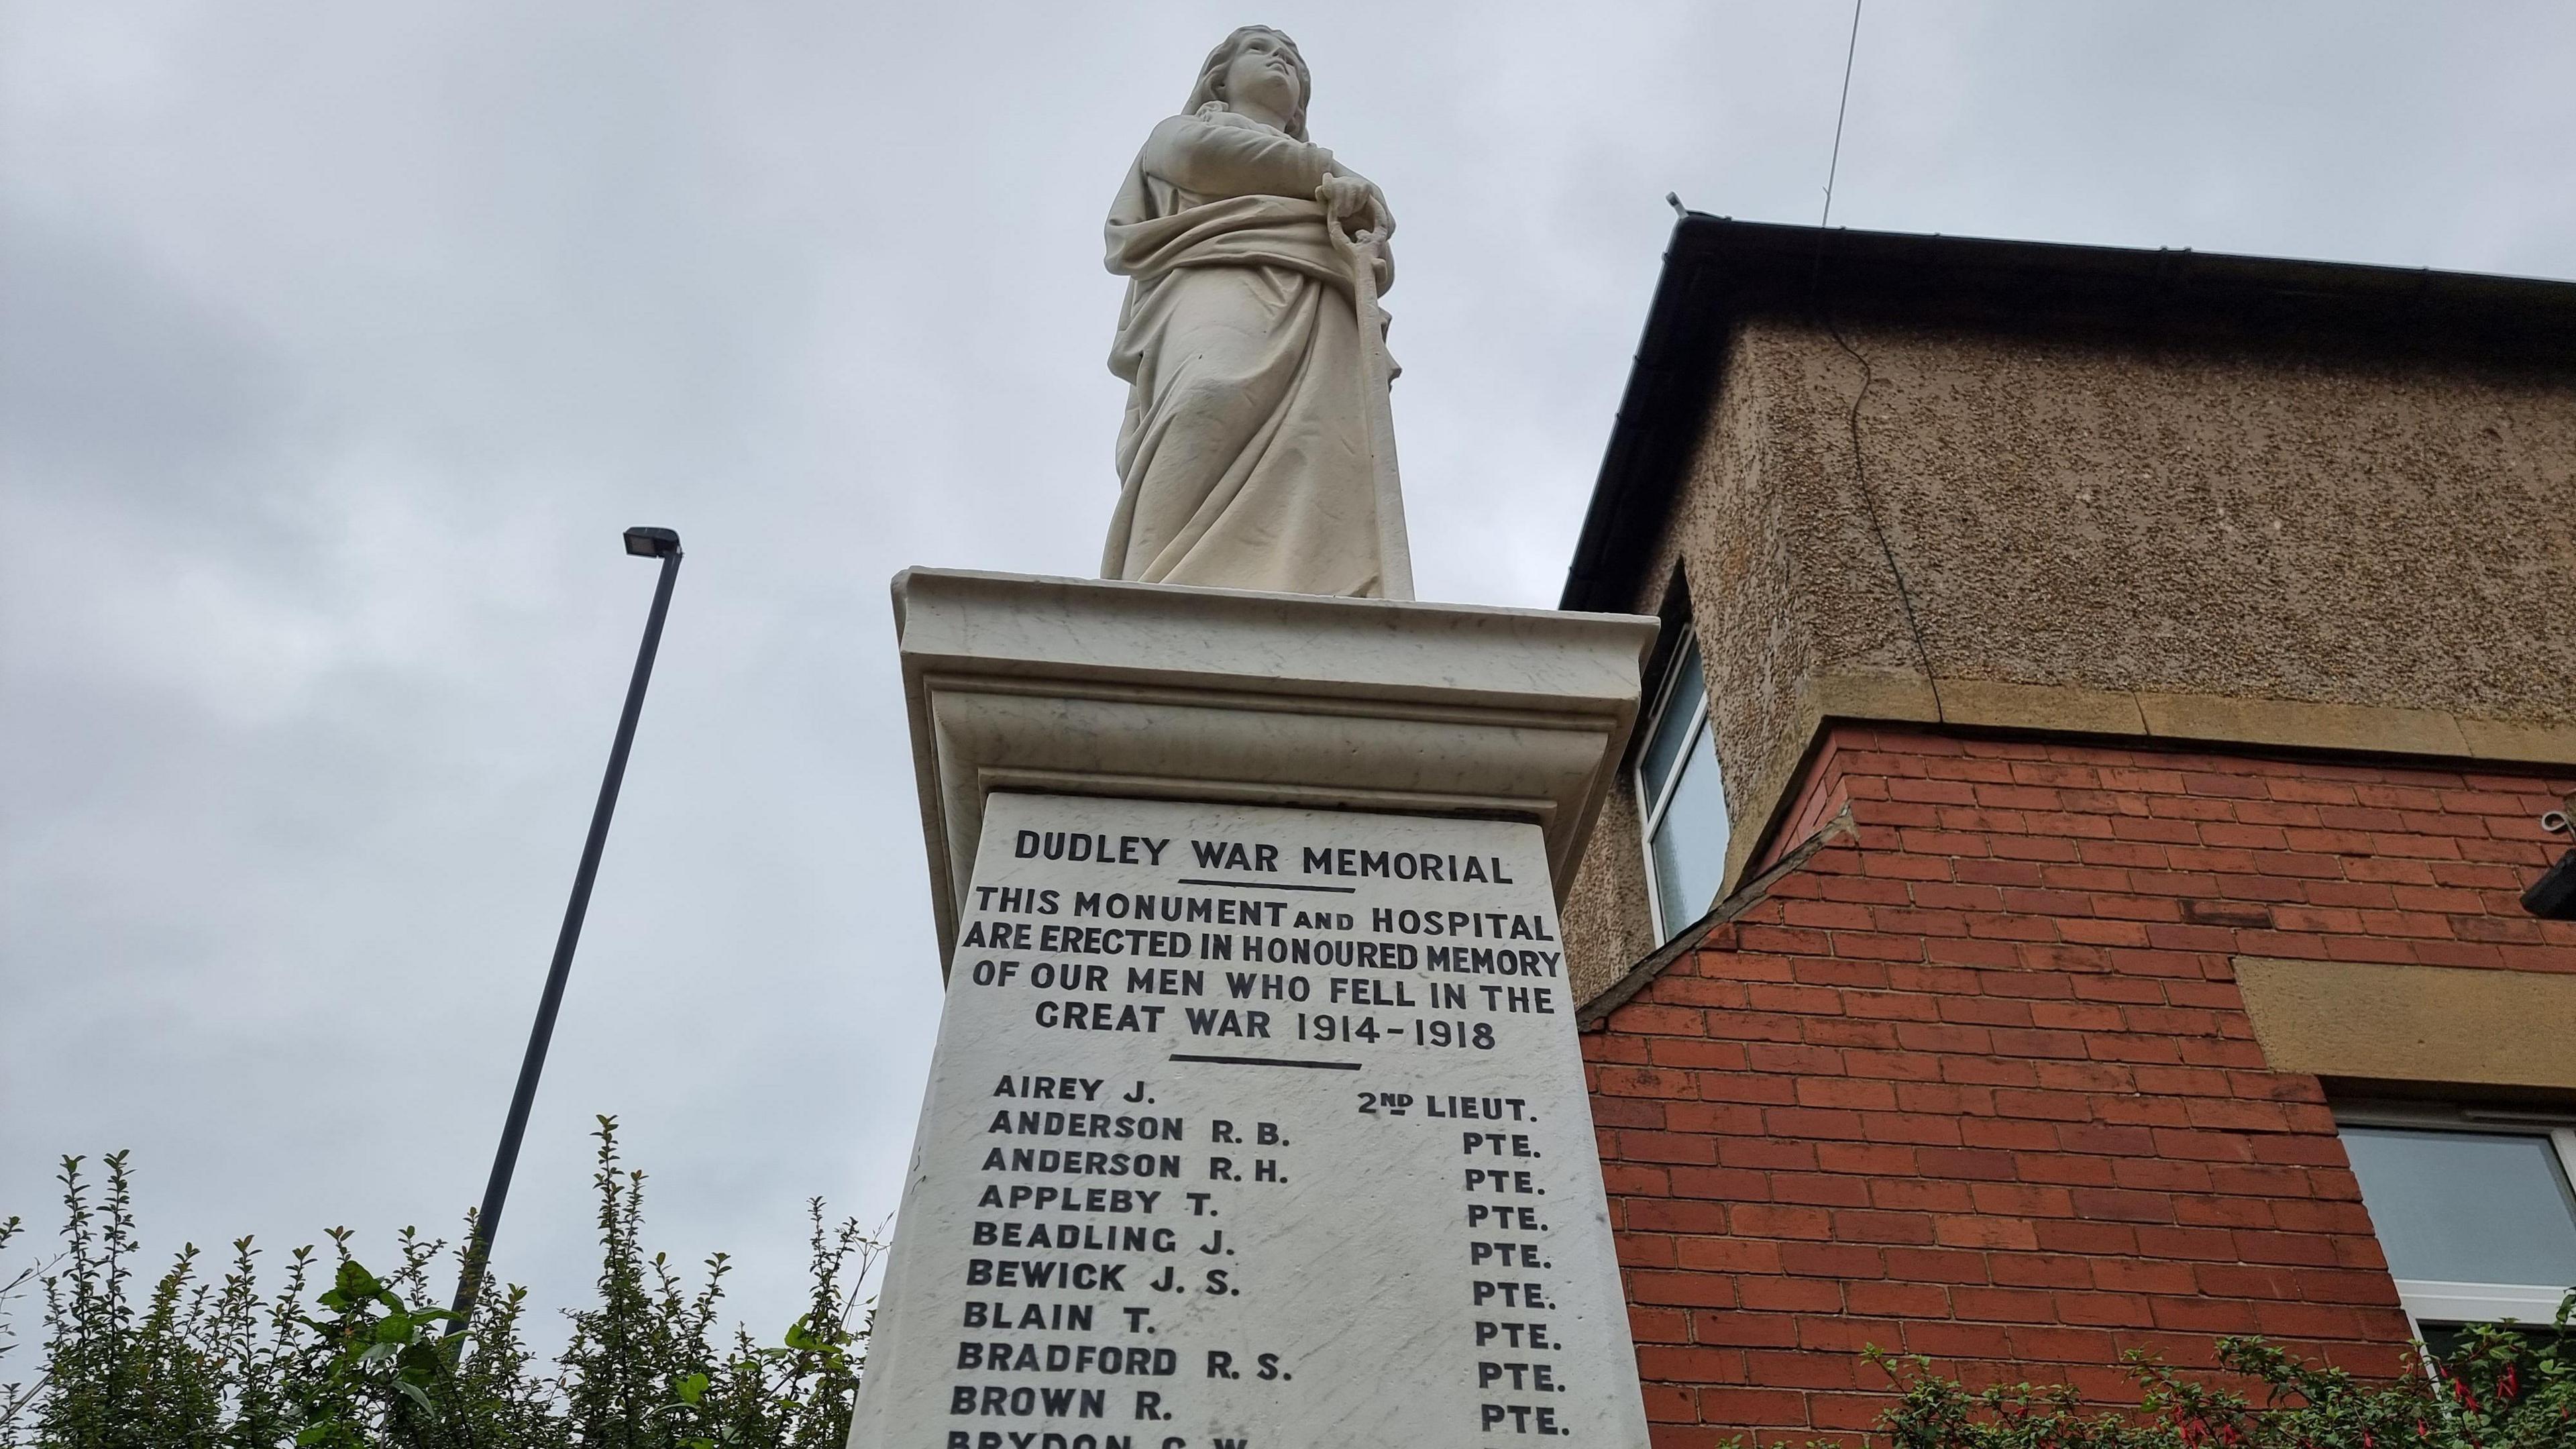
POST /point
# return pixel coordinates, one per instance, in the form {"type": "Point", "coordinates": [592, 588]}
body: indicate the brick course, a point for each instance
{"type": "Point", "coordinates": [1974, 1080]}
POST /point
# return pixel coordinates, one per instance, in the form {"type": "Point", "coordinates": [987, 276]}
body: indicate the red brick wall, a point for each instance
{"type": "Point", "coordinates": [1977, 1083]}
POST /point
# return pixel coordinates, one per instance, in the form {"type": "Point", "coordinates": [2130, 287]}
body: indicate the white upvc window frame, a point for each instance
{"type": "Point", "coordinates": [2428, 1300]}
{"type": "Point", "coordinates": [1650, 813]}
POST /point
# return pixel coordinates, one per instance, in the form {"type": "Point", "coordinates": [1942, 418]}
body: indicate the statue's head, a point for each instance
{"type": "Point", "coordinates": [1252, 57]}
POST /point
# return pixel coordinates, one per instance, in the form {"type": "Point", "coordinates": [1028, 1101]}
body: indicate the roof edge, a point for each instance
{"type": "Point", "coordinates": [1717, 271]}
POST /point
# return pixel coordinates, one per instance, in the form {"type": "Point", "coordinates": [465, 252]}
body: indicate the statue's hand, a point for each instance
{"type": "Point", "coordinates": [1382, 217]}
{"type": "Point", "coordinates": [1357, 204]}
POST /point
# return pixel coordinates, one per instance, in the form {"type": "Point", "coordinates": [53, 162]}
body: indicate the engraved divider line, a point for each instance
{"type": "Point", "coordinates": [1263, 885]}
{"type": "Point", "coordinates": [1267, 1062]}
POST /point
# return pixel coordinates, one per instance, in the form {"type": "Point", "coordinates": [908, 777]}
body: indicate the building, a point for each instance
{"type": "Point", "coordinates": [2066, 897]}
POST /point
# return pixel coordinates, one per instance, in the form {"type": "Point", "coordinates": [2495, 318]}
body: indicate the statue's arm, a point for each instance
{"type": "Point", "coordinates": [1213, 159]}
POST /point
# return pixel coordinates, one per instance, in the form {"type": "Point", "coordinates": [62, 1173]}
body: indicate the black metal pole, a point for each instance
{"type": "Point", "coordinates": [496, 1192]}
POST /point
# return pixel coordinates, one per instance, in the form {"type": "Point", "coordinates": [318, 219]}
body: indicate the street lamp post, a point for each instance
{"type": "Point", "coordinates": [663, 544]}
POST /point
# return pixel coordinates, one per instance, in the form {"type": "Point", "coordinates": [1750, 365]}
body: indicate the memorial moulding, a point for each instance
{"type": "Point", "coordinates": [1256, 1118]}
{"type": "Point", "coordinates": [1141, 691]}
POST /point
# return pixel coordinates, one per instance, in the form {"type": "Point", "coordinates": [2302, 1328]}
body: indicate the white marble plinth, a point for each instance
{"type": "Point", "coordinates": [1257, 1119]}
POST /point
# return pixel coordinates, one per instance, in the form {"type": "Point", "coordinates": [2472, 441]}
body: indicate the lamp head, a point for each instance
{"type": "Point", "coordinates": [652, 543]}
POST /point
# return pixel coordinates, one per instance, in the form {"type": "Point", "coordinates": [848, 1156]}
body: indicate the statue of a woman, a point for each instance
{"type": "Point", "coordinates": [1255, 452]}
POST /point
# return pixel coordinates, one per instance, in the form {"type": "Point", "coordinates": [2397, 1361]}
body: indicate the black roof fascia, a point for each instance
{"type": "Point", "coordinates": [1718, 271]}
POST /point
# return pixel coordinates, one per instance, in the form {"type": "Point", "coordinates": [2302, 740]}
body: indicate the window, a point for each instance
{"type": "Point", "coordinates": [1680, 798]}
{"type": "Point", "coordinates": [2475, 1211]}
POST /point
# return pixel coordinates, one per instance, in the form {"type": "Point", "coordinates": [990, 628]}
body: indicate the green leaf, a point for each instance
{"type": "Point", "coordinates": [420, 1363]}
{"type": "Point", "coordinates": [691, 1388]}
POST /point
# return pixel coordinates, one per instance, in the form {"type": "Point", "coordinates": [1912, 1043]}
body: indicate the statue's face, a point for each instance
{"type": "Point", "coordinates": [1262, 74]}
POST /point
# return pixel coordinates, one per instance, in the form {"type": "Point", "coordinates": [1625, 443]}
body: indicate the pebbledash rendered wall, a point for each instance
{"type": "Point", "coordinates": [2085, 490]}
{"type": "Point", "coordinates": [1971, 1076]}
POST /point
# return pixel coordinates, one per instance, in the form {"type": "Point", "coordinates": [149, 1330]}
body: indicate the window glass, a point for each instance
{"type": "Point", "coordinates": [1673, 726]}
{"type": "Point", "coordinates": [2446, 1339]}
{"type": "Point", "coordinates": [1690, 841]}
{"type": "Point", "coordinates": [2467, 1207]}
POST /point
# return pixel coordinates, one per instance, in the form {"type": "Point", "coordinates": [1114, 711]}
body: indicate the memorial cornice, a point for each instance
{"type": "Point", "coordinates": [1089, 687]}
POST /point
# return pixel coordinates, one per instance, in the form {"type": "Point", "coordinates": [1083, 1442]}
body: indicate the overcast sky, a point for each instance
{"type": "Point", "coordinates": [338, 342]}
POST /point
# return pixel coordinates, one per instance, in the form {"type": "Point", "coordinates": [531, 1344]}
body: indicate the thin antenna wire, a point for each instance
{"type": "Point", "coordinates": [1841, 108]}
{"type": "Point", "coordinates": [1868, 376]}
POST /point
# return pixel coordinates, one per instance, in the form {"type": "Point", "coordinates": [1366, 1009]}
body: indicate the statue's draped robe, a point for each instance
{"type": "Point", "coordinates": [1244, 461]}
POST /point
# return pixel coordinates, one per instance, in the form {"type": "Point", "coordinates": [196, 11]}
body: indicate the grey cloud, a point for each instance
{"type": "Point", "coordinates": [92, 340]}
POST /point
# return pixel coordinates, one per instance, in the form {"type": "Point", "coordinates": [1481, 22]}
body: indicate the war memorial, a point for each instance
{"type": "Point", "coordinates": [1257, 1115]}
